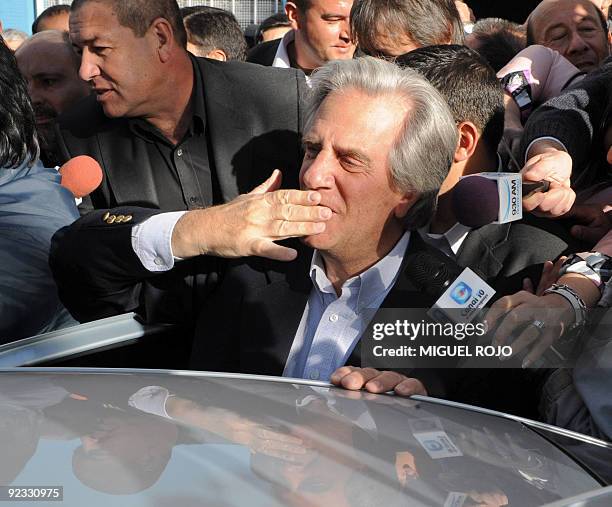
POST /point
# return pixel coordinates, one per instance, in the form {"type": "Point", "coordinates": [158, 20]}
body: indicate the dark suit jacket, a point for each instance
{"type": "Point", "coordinates": [253, 116]}
{"type": "Point", "coordinates": [250, 321]}
{"type": "Point", "coordinates": [264, 53]}
{"type": "Point", "coordinates": [247, 322]}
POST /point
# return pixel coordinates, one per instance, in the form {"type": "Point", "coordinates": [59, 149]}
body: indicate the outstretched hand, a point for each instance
{"type": "Point", "coordinates": [252, 223]}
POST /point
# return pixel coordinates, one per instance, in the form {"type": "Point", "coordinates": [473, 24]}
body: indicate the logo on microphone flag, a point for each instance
{"type": "Point", "coordinates": [461, 293]}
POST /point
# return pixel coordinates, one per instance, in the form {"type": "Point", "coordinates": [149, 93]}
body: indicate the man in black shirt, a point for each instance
{"type": "Point", "coordinates": [171, 131]}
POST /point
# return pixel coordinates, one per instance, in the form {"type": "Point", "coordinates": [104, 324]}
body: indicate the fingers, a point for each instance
{"type": "Point", "coordinates": [555, 167]}
{"type": "Point", "coordinates": [384, 382]}
{"type": "Point", "coordinates": [353, 378]}
{"type": "Point", "coordinates": [503, 306]}
{"type": "Point", "coordinates": [295, 197]}
{"type": "Point", "coordinates": [340, 373]}
{"type": "Point", "coordinates": [552, 166]}
{"type": "Point", "coordinates": [519, 316]}
{"type": "Point", "coordinates": [550, 274]}
{"type": "Point", "coordinates": [271, 184]}
{"type": "Point", "coordinates": [546, 339]}
{"type": "Point", "coordinates": [377, 382]}
{"type": "Point", "coordinates": [300, 213]}
{"type": "Point", "coordinates": [528, 285]}
{"type": "Point", "coordinates": [526, 339]}
{"type": "Point", "coordinates": [556, 202]}
{"type": "Point", "coordinates": [410, 386]}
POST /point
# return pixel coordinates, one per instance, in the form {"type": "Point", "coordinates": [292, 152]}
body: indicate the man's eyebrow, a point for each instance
{"type": "Point", "coordinates": [553, 27]}
{"type": "Point", "coordinates": [330, 15]}
{"type": "Point", "coordinates": [44, 74]}
{"type": "Point", "coordinates": [311, 143]}
{"type": "Point", "coordinates": [96, 39]}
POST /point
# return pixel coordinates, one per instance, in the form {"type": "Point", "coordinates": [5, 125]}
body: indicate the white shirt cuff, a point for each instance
{"type": "Point", "coordinates": [152, 241]}
{"type": "Point", "coordinates": [545, 138]}
{"type": "Point", "coordinates": [152, 400]}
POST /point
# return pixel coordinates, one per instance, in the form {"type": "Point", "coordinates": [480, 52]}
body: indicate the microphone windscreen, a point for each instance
{"type": "Point", "coordinates": [81, 175]}
{"type": "Point", "coordinates": [475, 201]}
{"type": "Point", "coordinates": [431, 271]}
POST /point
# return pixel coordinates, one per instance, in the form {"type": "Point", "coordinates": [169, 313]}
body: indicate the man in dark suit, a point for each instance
{"type": "Point", "coordinates": [172, 131]}
{"type": "Point", "coordinates": [320, 33]}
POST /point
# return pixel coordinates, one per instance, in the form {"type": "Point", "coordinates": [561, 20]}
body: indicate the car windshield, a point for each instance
{"type": "Point", "coordinates": [161, 439]}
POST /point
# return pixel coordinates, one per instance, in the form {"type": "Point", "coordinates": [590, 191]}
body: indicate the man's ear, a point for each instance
{"type": "Point", "coordinates": [468, 139]}
{"type": "Point", "coordinates": [217, 54]}
{"type": "Point", "coordinates": [292, 12]}
{"type": "Point", "coordinates": [164, 38]}
{"type": "Point", "coordinates": [406, 202]}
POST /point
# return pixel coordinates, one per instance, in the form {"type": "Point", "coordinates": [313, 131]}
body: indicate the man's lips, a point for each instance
{"type": "Point", "coordinates": [43, 120]}
{"type": "Point", "coordinates": [102, 93]}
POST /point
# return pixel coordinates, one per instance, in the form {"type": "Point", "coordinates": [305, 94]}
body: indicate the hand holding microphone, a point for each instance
{"type": "Point", "coordinates": [555, 166]}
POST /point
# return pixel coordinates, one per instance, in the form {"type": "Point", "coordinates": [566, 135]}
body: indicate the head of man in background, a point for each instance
{"type": "Point", "coordinates": [497, 40]}
{"type": "Point", "coordinates": [133, 55]}
{"type": "Point", "coordinates": [576, 29]}
{"type": "Point", "coordinates": [215, 33]}
{"type": "Point", "coordinates": [53, 18]}
{"type": "Point", "coordinates": [273, 27]}
{"type": "Point", "coordinates": [14, 38]}
{"type": "Point", "coordinates": [476, 101]}
{"type": "Point", "coordinates": [51, 69]}
{"type": "Point", "coordinates": [321, 31]}
{"type": "Point", "coordinates": [389, 28]}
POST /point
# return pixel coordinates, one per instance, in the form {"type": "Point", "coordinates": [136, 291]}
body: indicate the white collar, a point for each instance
{"type": "Point", "coordinates": [375, 280]}
{"type": "Point", "coordinates": [281, 58]}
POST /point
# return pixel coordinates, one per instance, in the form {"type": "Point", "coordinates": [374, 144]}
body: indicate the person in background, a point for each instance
{"type": "Point", "coordinates": [51, 69]}
{"type": "Point", "coordinates": [320, 33]}
{"type": "Point", "coordinates": [33, 206]}
{"type": "Point", "coordinates": [497, 40]}
{"type": "Point", "coordinates": [273, 28]}
{"type": "Point", "coordinates": [14, 38]}
{"type": "Point", "coordinates": [575, 28]}
{"type": "Point", "coordinates": [194, 131]}
{"type": "Point", "coordinates": [215, 33]}
{"type": "Point", "coordinates": [52, 18]}
{"type": "Point", "coordinates": [394, 27]}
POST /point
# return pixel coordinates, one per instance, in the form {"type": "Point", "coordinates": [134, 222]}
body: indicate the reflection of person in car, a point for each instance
{"type": "Point", "coordinates": [126, 454]}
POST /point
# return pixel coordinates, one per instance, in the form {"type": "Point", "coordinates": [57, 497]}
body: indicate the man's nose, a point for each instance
{"type": "Point", "coordinates": [319, 173]}
{"type": "Point", "coordinates": [88, 69]}
{"type": "Point", "coordinates": [34, 95]}
{"type": "Point", "coordinates": [345, 31]}
{"type": "Point", "coordinates": [576, 44]}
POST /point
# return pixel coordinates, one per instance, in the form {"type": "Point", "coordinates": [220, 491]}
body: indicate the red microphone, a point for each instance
{"type": "Point", "coordinates": [81, 175]}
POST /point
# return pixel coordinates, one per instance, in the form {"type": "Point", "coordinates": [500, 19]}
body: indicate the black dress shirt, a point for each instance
{"type": "Point", "coordinates": [182, 172]}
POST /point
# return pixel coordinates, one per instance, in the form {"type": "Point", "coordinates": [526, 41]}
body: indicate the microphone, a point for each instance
{"type": "Point", "coordinates": [461, 292]}
{"type": "Point", "coordinates": [487, 198]}
{"type": "Point", "coordinates": [81, 175]}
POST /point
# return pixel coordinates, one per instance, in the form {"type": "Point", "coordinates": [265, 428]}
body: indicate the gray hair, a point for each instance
{"type": "Point", "coordinates": [423, 153]}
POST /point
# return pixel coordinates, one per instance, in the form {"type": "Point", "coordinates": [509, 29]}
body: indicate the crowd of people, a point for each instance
{"type": "Point", "coordinates": [269, 200]}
